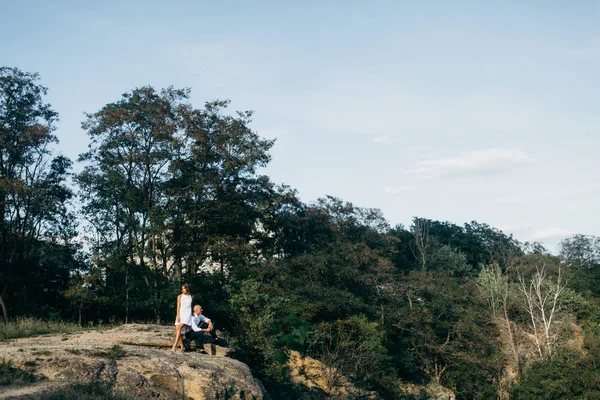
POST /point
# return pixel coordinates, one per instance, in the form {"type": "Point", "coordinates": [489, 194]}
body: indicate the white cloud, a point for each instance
{"type": "Point", "coordinates": [550, 233]}
{"type": "Point", "coordinates": [390, 189]}
{"type": "Point", "coordinates": [381, 139]}
{"type": "Point", "coordinates": [472, 162]}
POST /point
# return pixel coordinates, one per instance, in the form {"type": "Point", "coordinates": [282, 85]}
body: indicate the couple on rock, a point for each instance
{"type": "Point", "coordinates": [191, 325]}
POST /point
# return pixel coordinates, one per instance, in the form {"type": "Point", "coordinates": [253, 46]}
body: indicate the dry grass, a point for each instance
{"type": "Point", "coordinates": [26, 327]}
{"type": "Point", "coordinates": [114, 353]}
{"type": "Point", "coordinates": [92, 391]}
{"type": "Point", "coordinates": [13, 376]}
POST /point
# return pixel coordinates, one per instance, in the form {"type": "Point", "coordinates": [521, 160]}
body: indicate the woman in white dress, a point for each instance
{"type": "Point", "coordinates": [184, 314]}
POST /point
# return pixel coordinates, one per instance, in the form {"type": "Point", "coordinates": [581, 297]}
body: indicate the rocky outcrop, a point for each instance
{"type": "Point", "coordinates": [431, 391]}
{"type": "Point", "coordinates": [322, 381]}
{"type": "Point", "coordinates": [159, 336]}
{"type": "Point", "coordinates": [132, 359]}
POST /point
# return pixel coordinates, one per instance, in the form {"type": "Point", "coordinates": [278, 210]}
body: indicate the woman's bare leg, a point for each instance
{"type": "Point", "coordinates": [177, 336]}
{"type": "Point", "coordinates": [180, 338]}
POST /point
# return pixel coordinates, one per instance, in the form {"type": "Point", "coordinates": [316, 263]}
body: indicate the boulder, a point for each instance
{"type": "Point", "coordinates": [132, 359]}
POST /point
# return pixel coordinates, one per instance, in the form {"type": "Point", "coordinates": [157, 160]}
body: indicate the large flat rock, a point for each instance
{"type": "Point", "coordinates": [135, 359]}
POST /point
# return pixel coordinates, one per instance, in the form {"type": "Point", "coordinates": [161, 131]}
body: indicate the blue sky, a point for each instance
{"type": "Point", "coordinates": [454, 111]}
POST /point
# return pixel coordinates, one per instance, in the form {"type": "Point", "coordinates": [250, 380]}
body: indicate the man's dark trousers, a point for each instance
{"type": "Point", "coordinates": [198, 336]}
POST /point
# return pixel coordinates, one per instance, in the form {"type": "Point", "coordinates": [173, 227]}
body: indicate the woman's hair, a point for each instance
{"type": "Point", "coordinates": [187, 288]}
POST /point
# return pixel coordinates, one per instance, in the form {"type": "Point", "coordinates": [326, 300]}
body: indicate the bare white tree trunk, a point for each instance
{"type": "Point", "coordinates": [549, 299]}
{"type": "Point", "coordinates": [542, 303]}
{"type": "Point", "coordinates": [420, 231]}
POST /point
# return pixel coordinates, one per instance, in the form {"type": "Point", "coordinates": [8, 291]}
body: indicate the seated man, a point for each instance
{"type": "Point", "coordinates": [200, 324]}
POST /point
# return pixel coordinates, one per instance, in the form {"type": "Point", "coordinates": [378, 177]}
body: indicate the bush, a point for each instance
{"type": "Point", "coordinates": [352, 348]}
{"type": "Point", "coordinates": [565, 376]}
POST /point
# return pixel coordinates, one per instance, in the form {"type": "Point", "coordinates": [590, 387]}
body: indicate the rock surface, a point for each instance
{"type": "Point", "coordinates": [134, 359]}
{"type": "Point", "coordinates": [323, 382]}
{"type": "Point", "coordinates": [432, 391]}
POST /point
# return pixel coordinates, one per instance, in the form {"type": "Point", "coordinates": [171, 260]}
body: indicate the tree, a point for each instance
{"type": "Point", "coordinates": [133, 143]}
{"type": "Point", "coordinates": [494, 285]}
{"type": "Point", "coordinates": [582, 250]}
{"type": "Point", "coordinates": [352, 347]}
{"type": "Point", "coordinates": [445, 334]}
{"type": "Point", "coordinates": [491, 246]}
{"type": "Point", "coordinates": [480, 243]}
{"type": "Point", "coordinates": [170, 191]}
{"type": "Point", "coordinates": [568, 375]}
{"type": "Point", "coordinates": [442, 256]}
{"type": "Point", "coordinates": [216, 196]}
{"type": "Point", "coordinates": [420, 231]}
{"type": "Point", "coordinates": [34, 196]}
{"type": "Point", "coordinates": [543, 305]}
{"type": "Point", "coordinates": [84, 290]}
{"type": "Point", "coordinates": [491, 282]}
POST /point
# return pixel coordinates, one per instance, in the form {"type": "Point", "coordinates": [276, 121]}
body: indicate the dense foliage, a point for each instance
{"type": "Point", "coordinates": [169, 194]}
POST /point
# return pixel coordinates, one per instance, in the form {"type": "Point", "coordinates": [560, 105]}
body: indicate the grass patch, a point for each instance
{"type": "Point", "coordinates": [114, 353]}
{"type": "Point", "coordinates": [74, 351]}
{"type": "Point", "coordinates": [13, 376]}
{"type": "Point", "coordinates": [27, 327]}
{"type": "Point", "coordinates": [91, 391]}
{"type": "Point", "coordinates": [41, 352]}
{"type": "Point", "coordinates": [145, 328]}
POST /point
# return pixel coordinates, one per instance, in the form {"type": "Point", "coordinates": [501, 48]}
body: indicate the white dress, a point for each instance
{"type": "Point", "coordinates": [185, 310]}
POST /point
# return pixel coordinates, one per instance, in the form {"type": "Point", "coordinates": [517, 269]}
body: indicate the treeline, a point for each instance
{"type": "Point", "coordinates": [169, 193]}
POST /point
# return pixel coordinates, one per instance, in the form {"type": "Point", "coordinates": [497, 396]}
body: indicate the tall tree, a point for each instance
{"type": "Point", "coordinates": [170, 189]}
{"type": "Point", "coordinates": [133, 142]}
{"type": "Point", "coordinates": [543, 303]}
{"type": "Point", "coordinates": [582, 250]}
{"type": "Point", "coordinates": [216, 195]}
{"type": "Point", "coordinates": [34, 196]}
